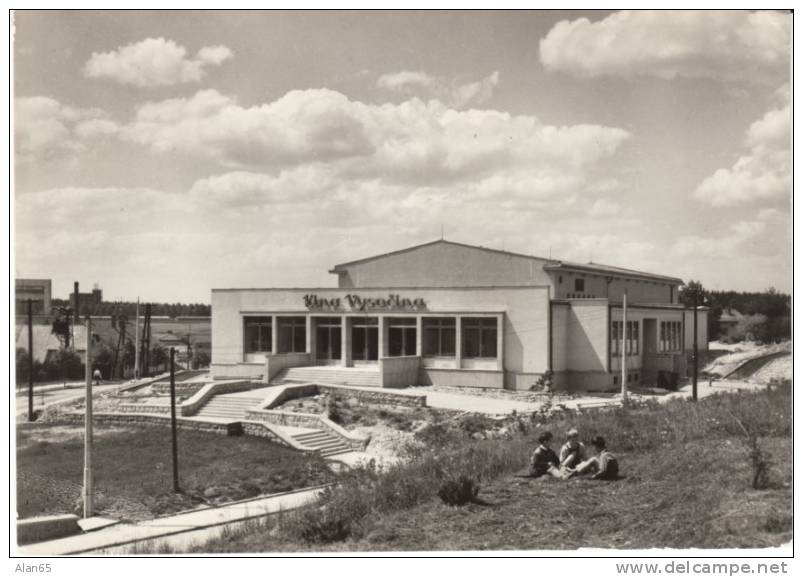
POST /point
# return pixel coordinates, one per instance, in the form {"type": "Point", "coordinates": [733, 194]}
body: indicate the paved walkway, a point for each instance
{"type": "Point", "coordinates": [188, 523]}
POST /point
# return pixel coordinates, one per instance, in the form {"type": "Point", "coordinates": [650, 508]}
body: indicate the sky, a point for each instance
{"type": "Point", "coordinates": [163, 154]}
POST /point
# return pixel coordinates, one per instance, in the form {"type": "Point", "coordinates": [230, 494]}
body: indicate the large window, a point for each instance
{"type": "Point", "coordinates": [401, 337]}
{"type": "Point", "coordinates": [292, 334]}
{"type": "Point", "coordinates": [328, 338]}
{"type": "Point", "coordinates": [439, 337]}
{"type": "Point", "coordinates": [671, 336]}
{"type": "Point", "coordinates": [579, 285]}
{"type": "Point", "coordinates": [258, 334]}
{"type": "Point", "coordinates": [479, 338]}
{"type": "Point", "coordinates": [631, 338]}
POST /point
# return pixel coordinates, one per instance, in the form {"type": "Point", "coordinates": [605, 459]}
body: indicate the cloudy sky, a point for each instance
{"type": "Point", "coordinates": [164, 154]}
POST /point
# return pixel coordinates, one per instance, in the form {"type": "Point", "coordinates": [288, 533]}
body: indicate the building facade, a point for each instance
{"type": "Point", "coordinates": [39, 293]}
{"type": "Point", "coordinates": [447, 313]}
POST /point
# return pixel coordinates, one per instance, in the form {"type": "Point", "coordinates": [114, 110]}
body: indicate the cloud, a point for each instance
{"type": "Point", "coordinates": [761, 173]}
{"type": "Point", "coordinates": [248, 189]}
{"type": "Point", "coordinates": [603, 207]}
{"type": "Point", "coordinates": [412, 141]}
{"type": "Point", "coordinates": [154, 62]}
{"type": "Point", "coordinates": [450, 91]}
{"type": "Point", "coordinates": [730, 244]}
{"type": "Point", "coordinates": [403, 79]}
{"type": "Point", "coordinates": [735, 46]}
{"type": "Point", "coordinates": [46, 130]}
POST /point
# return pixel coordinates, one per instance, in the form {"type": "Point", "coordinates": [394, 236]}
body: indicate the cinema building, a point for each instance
{"type": "Point", "coordinates": [447, 313]}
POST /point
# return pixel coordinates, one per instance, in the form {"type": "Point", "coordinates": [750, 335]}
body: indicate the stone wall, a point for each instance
{"type": "Point", "coordinates": [143, 408]}
{"type": "Point", "coordinates": [375, 397]}
{"type": "Point", "coordinates": [231, 429]}
{"type": "Point", "coordinates": [182, 389]}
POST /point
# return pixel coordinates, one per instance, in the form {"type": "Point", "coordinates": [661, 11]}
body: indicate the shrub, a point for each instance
{"type": "Point", "coordinates": [458, 491]}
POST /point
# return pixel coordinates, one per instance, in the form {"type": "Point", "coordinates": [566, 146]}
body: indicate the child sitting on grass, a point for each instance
{"type": "Point", "coordinates": [605, 467]}
{"type": "Point", "coordinates": [544, 460]}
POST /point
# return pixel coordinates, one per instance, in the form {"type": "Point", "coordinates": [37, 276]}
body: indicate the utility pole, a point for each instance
{"type": "Point", "coordinates": [136, 344]}
{"type": "Point", "coordinates": [88, 488]}
{"type": "Point", "coordinates": [176, 488]}
{"type": "Point", "coordinates": [76, 309]}
{"type": "Point", "coordinates": [30, 360]}
{"type": "Point", "coordinates": [624, 351]}
{"type": "Point", "coordinates": [146, 337]}
{"type": "Point", "coordinates": [694, 351]}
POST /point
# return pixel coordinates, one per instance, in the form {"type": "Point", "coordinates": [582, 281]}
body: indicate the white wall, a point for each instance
{"type": "Point", "coordinates": [525, 309]}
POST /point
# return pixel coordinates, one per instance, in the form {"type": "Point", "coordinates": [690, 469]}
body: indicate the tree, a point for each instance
{"type": "Point", "coordinates": [202, 359]}
{"type": "Point", "coordinates": [159, 356]}
{"type": "Point", "coordinates": [61, 325]}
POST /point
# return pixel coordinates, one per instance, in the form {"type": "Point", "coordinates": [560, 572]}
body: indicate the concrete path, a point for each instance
{"type": "Point", "coordinates": [57, 394]}
{"type": "Point", "coordinates": [195, 524]}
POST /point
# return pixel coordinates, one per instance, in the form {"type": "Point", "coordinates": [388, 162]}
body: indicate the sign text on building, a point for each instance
{"type": "Point", "coordinates": [360, 303]}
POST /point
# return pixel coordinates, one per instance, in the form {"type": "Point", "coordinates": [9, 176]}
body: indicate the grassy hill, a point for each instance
{"type": "Point", "coordinates": [688, 481]}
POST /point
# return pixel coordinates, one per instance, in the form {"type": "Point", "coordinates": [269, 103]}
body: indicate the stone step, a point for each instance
{"type": "Point", "coordinates": [330, 453]}
{"type": "Point", "coordinates": [324, 444]}
{"type": "Point", "coordinates": [305, 440]}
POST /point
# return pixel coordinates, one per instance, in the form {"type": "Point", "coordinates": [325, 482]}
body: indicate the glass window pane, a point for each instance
{"type": "Point", "coordinates": [489, 343]}
{"type": "Point", "coordinates": [447, 341]}
{"type": "Point", "coordinates": [471, 343]}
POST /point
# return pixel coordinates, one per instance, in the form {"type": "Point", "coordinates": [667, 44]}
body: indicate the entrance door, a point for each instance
{"type": "Point", "coordinates": [328, 340]}
{"type": "Point", "coordinates": [365, 340]}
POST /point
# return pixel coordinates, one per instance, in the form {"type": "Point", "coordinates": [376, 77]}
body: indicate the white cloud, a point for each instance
{"type": "Point", "coordinates": [46, 130]}
{"type": "Point", "coordinates": [728, 245]}
{"type": "Point", "coordinates": [727, 45]}
{"type": "Point", "coordinates": [412, 141]}
{"type": "Point", "coordinates": [154, 62]}
{"type": "Point", "coordinates": [603, 207]}
{"type": "Point", "coordinates": [762, 173]}
{"type": "Point", "coordinates": [405, 78]}
{"type": "Point", "coordinates": [450, 91]}
{"type": "Point", "coordinates": [238, 189]}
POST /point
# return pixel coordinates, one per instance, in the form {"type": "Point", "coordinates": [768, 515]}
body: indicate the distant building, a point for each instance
{"type": "Point", "coordinates": [728, 322]}
{"type": "Point", "coordinates": [86, 301]}
{"type": "Point", "coordinates": [37, 290]}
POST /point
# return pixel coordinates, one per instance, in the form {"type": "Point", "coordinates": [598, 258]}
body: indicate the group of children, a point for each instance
{"type": "Point", "coordinates": [572, 460]}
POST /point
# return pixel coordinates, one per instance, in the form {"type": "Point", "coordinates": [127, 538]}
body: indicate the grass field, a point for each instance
{"type": "Point", "coordinates": [133, 470]}
{"type": "Point", "coordinates": [687, 483]}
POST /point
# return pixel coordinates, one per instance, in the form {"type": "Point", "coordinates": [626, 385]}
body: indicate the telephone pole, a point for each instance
{"type": "Point", "coordinates": [76, 310]}
{"type": "Point", "coordinates": [30, 360]}
{"type": "Point", "coordinates": [174, 433]}
{"type": "Point", "coordinates": [624, 348]}
{"type": "Point", "coordinates": [694, 351]}
{"type": "Point", "coordinates": [136, 344]}
{"type": "Point", "coordinates": [88, 484]}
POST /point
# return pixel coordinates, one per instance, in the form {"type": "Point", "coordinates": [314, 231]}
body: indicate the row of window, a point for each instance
{"type": "Point", "coordinates": [670, 341]}
{"type": "Point", "coordinates": [479, 336]}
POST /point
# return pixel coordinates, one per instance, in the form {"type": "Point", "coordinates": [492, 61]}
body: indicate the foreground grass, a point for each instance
{"type": "Point", "coordinates": [133, 470]}
{"type": "Point", "coordinates": [687, 483]}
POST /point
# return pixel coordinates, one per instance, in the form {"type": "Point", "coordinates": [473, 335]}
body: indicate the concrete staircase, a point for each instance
{"type": "Point", "coordinates": [230, 407]}
{"type": "Point", "coordinates": [327, 443]}
{"type": "Point", "coordinates": [329, 376]}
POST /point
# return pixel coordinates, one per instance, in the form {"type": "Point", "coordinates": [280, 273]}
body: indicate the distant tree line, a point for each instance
{"type": "Point", "coordinates": [172, 310]}
{"type": "Point", "coordinates": [767, 315]}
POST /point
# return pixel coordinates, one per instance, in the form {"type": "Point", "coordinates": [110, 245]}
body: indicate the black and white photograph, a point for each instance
{"type": "Point", "coordinates": [341, 282]}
